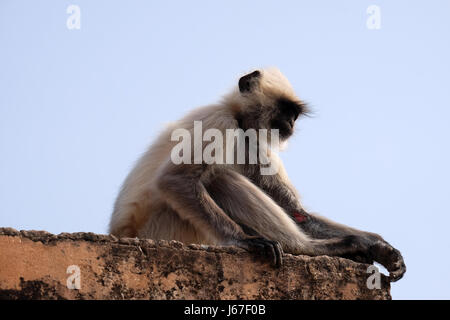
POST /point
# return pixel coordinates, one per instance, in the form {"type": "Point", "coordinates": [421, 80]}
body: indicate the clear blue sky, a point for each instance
{"type": "Point", "coordinates": [77, 107]}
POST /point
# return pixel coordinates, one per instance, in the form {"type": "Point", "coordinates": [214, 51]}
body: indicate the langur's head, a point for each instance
{"type": "Point", "coordinates": [265, 100]}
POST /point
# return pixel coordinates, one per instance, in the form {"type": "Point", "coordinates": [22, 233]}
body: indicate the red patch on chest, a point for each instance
{"type": "Point", "coordinates": [299, 217]}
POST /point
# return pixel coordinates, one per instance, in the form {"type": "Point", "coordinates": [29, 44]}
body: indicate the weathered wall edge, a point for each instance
{"type": "Point", "coordinates": [34, 265]}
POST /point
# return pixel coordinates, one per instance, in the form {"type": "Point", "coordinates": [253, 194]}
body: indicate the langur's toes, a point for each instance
{"type": "Point", "coordinates": [390, 258]}
{"type": "Point", "coordinates": [267, 248]}
{"type": "Point", "coordinates": [279, 252]}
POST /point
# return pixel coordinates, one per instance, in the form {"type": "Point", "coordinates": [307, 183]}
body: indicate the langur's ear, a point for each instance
{"type": "Point", "coordinates": [248, 82]}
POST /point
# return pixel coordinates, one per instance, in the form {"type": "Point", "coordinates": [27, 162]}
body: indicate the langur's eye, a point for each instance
{"type": "Point", "coordinates": [290, 109]}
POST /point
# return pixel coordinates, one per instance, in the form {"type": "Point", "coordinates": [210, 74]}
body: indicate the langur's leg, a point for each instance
{"type": "Point", "coordinates": [372, 246]}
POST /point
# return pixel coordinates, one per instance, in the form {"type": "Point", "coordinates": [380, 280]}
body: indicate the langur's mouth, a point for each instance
{"type": "Point", "coordinates": [285, 127]}
{"type": "Point", "coordinates": [291, 123]}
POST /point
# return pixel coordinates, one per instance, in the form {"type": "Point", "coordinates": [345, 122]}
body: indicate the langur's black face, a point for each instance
{"type": "Point", "coordinates": [281, 113]}
{"type": "Point", "coordinates": [284, 116]}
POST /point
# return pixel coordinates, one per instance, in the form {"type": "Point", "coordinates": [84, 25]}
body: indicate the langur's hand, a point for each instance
{"type": "Point", "coordinates": [267, 248]}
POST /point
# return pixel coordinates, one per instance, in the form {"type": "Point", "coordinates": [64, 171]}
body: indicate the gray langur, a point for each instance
{"type": "Point", "coordinates": [234, 204]}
